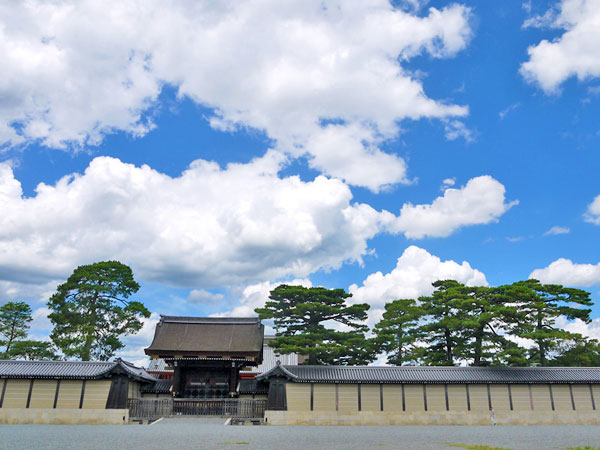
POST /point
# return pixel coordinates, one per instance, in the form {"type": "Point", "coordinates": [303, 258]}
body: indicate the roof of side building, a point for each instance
{"type": "Point", "coordinates": [71, 369]}
{"type": "Point", "coordinates": [432, 375]}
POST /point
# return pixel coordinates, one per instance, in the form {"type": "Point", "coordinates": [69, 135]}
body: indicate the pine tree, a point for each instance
{"type": "Point", "coordinates": [399, 332]}
{"type": "Point", "coordinates": [90, 312]}
{"type": "Point", "coordinates": [299, 315]}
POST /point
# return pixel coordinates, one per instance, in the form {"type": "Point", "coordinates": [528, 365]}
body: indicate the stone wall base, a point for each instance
{"type": "Point", "coordinates": [64, 416]}
{"type": "Point", "coordinates": [423, 418]}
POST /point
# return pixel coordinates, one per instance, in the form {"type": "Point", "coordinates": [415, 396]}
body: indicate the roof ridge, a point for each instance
{"type": "Point", "coordinates": [30, 361]}
{"type": "Point", "coordinates": [440, 367]}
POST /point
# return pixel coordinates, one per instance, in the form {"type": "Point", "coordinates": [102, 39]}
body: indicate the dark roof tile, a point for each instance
{"type": "Point", "coordinates": [69, 369]}
{"type": "Point", "coordinates": [194, 336]}
{"type": "Point", "coordinates": [410, 374]}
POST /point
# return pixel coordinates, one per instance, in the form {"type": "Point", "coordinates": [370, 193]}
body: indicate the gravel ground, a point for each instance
{"type": "Point", "coordinates": [212, 434]}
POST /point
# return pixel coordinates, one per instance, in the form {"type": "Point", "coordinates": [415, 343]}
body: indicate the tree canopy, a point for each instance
{"type": "Point", "coordinates": [399, 332]}
{"type": "Point", "coordinates": [481, 326]}
{"type": "Point", "coordinates": [90, 311]}
{"type": "Point", "coordinates": [33, 350]}
{"type": "Point", "coordinates": [539, 306]}
{"type": "Point", "coordinates": [14, 324]}
{"type": "Point", "coordinates": [300, 315]}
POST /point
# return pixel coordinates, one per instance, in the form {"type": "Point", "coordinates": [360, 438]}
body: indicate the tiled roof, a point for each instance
{"type": "Point", "coordinates": [208, 336]}
{"type": "Point", "coordinates": [69, 369]}
{"type": "Point", "coordinates": [253, 387]}
{"type": "Point", "coordinates": [409, 374]}
{"type": "Point", "coordinates": [136, 372]}
{"type": "Point", "coordinates": [269, 361]}
{"type": "Point", "coordinates": [158, 387]}
{"type": "Point", "coordinates": [158, 365]}
{"type": "Point", "coordinates": [270, 358]}
{"type": "Point", "coordinates": [212, 320]}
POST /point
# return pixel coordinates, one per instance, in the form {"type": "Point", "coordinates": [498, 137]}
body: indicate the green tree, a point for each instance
{"type": "Point", "coordinates": [90, 312]}
{"type": "Point", "coordinates": [487, 317]}
{"type": "Point", "coordinates": [577, 353]}
{"type": "Point", "coordinates": [444, 330]}
{"type": "Point", "coordinates": [33, 350]}
{"type": "Point", "coordinates": [298, 314]}
{"type": "Point", "coordinates": [14, 323]}
{"type": "Point", "coordinates": [539, 306]}
{"type": "Point", "coordinates": [399, 331]}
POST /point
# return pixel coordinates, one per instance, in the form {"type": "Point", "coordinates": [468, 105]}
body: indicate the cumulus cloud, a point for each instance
{"type": "Point", "coordinates": [591, 330]}
{"type": "Point", "coordinates": [574, 53]}
{"type": "Point", "coordinates": [31, 292]}
{"type": "Point", "coordinates": [256, 295]}
{"type": "Point", "coordinates": [480, 201]}
{"type": "Point", "coordinates": [76, 71]}
{"type": "Point", "coordinates": [203, 296]}
{"type": "Point", "coordinates": [557, 230]}
{"type": "Point", "coordinates": [447, 182]}
{"type": "Point", "coordinates": [415, 270]}
{"type": "Point", "coordinates": [209, 227]}
{"type": "Point", "coordinates": [136, 343]}
{"type": "Point", "coordinates": [592, 214]}
{"type": "Point", "coordinates": [564, 271]}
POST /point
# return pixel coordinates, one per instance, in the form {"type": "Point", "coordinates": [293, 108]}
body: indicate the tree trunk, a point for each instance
{"type": "Point", "coordinates": [478, 347]}
{"type": "Point", "coordinates": [541, 344]}
{"type": "Point", "coordinates": [449, 357]}
{"type": "Point", "coordinates": [400, 349]}
{"type": "Point", "coordinates": [89, 339]}
{"type": "Point", "coordinates": [11, 338]}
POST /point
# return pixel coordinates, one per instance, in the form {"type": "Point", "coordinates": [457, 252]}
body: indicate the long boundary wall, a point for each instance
{"type": "Point", "coordinates": [50, 401]}
{"type": "Point", "coordinates": [64, 416]}
{"type": "Point", "coordinates": [438, 404]}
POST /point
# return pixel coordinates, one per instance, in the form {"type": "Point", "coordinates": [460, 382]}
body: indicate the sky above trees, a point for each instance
{"type": "Point", "coordinates": [220, 149]}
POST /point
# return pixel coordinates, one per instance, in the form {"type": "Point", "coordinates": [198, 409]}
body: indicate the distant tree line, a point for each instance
{"type": "Point", "coordinates": [15, 318]}
{"type": "Point", "coordinates": [511, 325]}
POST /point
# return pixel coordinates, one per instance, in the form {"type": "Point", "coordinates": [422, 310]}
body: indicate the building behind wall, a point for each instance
{"type": "Point", "coordinates": [347, 395]}
{"type": "Point", "coordinates": [206, 354]}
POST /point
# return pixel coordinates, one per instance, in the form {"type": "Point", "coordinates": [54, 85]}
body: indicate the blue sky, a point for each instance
{"type": "Point", "coordinates": [222, 149]}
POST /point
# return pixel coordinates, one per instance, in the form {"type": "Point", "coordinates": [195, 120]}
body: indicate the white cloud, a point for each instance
{"type": "Point", "coordinates": [203, 296]}
{"type": "Point", "coordinates": [591, 330]}
{"type": "Point", "coordinates": [255, 296]}
{"type": "Point", "coordinates": [40, 327]}
{"type": "Point", "coordinates": [208, 227]}
{"type": "Point", "coordinates": [448, 182]}
{"type": "Point", "coordinates": [31, 292]}
{"type": "Point", "coordinates": [481, 201]}
{"type": "Point", "coordinates": [502, 114]}
{"type": "Point", "coordinates": [592, 214]}
{"type": "Point", "coordinates": [574, 53]}
{"type": "Point", "coordinates": [136, 343]}
{"type": "Point", "coordinates": [557, 230]}
{"type": "Point", "coordinates": [415, 270]}
{"type": "Point", "coordinates": [454, 129]}
{"type": "Point", "coordinates": [76, 71]}
{"type": "Point", "coordinates": [564, 271]}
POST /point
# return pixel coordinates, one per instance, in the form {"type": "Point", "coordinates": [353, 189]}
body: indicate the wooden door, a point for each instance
{"type": "Point", "coordinates": [117, 396]}
{"type": "Point", "coordinates": [277, 398]}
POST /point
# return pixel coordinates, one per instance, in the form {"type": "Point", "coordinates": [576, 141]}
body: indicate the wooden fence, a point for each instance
{"type": "Point", "coordinates": [142, 408]}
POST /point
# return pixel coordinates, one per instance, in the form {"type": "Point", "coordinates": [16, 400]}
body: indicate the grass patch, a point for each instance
{"type": "Point", "coordinates": [587, 447]}
{"type": "Point", "coordinates": [236, 443]}
{"type": "Point", "coordinates": [475, 447]}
